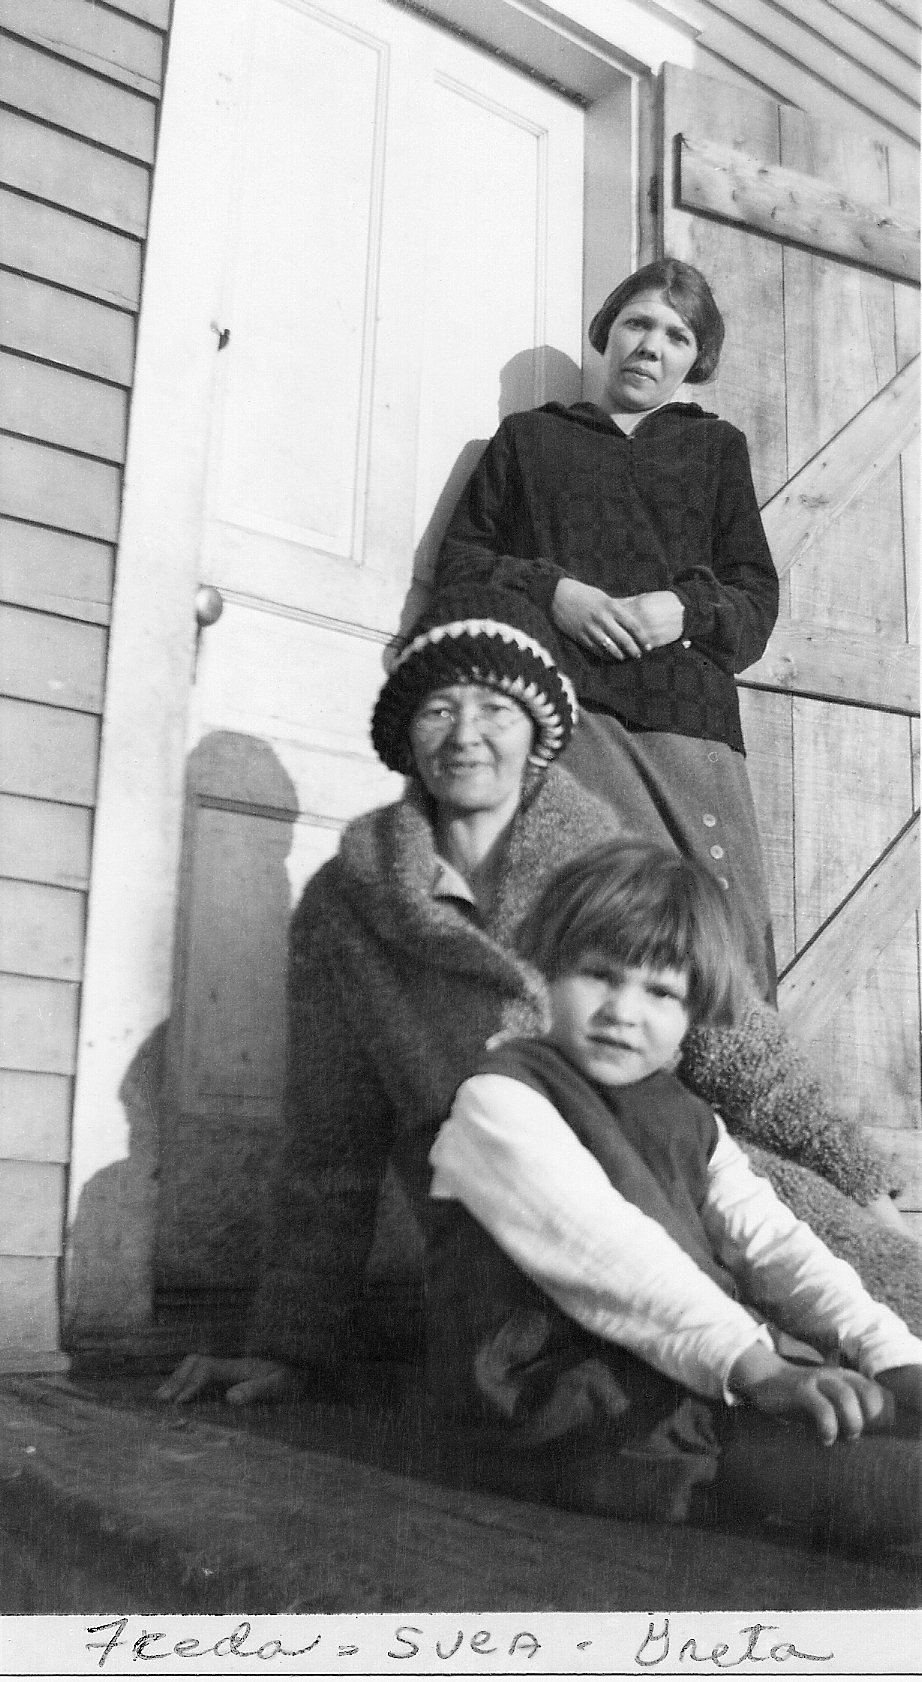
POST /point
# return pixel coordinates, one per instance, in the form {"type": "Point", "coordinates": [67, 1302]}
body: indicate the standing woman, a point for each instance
{"type": "Point", "coordinates": [634, 528]}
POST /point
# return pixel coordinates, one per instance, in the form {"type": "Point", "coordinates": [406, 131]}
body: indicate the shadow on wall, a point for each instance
{"type": "Point", "coordinates": [178, 1221]}
{"type": "Point", "coordinates": [530, 378]}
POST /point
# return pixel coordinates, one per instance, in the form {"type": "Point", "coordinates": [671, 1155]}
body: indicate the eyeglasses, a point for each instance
{"type": "Point", "coordinates": [492, 716]}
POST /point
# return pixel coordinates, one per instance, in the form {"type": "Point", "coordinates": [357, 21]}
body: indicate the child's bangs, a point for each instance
{"type": "Point", "coordinates": [642, 907]}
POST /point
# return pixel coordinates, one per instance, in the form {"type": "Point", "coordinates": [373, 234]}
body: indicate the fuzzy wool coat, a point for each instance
{"type": "Point", "coordinates": [392, 997]}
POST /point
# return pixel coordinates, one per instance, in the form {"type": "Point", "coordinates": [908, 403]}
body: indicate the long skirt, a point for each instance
{"type": "Point", "coordinates": [693, 795]}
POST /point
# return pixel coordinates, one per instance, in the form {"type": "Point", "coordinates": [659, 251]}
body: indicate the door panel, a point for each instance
{"type": "Point", "coordinates": [291, 460]}
{"type": "Point", "coordinates": [403, 265]}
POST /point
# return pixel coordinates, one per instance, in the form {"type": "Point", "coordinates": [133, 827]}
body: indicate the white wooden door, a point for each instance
{"type": "Point", "coordinates": [402, 250]}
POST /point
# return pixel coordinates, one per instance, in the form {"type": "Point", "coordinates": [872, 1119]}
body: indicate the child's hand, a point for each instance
{"type": "Point", "coordinates": [904, 1385]}
{"type": "Point", "coordinates": [840, 1403]}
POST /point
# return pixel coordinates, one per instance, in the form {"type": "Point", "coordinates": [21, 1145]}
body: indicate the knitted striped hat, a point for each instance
{"type": "Point", "coordinates": [488, 636]}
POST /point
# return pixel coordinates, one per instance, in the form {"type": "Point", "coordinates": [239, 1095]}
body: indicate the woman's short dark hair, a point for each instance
{"type": "Point", "coordinates": [687, 292]}
{"type": "Point", "coordinates": [641, 905]}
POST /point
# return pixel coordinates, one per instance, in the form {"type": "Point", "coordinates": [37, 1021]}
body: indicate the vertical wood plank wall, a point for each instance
{"type": "Point", "coordinates": [79, 91]}
{"type": "Point", "coordinates": [810, 340]}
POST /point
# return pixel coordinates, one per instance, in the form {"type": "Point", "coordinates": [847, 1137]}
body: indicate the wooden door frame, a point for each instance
{"type": "Point", "coordinates": [134, 884]}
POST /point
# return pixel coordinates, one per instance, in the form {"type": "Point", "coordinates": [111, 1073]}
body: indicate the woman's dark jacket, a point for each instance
{"type": "Point", "coordinates": [564, 492]}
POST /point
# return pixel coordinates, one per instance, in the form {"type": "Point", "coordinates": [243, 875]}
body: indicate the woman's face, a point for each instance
{"type": "Point", "coordinates": [470, 747]}
{"type": "Point", "coordinates": [650, 352]}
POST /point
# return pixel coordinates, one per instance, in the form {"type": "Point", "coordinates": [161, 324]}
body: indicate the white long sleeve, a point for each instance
{"type": "Point", "coordinates": [509, 1157]}
{"type": "Point", "coordinates": [783, 1267]}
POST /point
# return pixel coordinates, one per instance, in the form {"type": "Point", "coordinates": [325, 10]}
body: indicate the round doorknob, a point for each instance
{"type": "Point", "coordinates": [209, 605]}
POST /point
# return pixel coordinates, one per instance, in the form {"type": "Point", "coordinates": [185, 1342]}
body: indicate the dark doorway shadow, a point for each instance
{"type": "Point", "coordinates": [541, 374]}
{"type": "Point", "coordinates": [171, 1232]}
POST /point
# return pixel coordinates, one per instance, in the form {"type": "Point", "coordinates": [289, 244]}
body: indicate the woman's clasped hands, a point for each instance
{"type": "Point", "coordinates": [617, 627]}
{"type": "Point", "coordinates": [248, 1379]}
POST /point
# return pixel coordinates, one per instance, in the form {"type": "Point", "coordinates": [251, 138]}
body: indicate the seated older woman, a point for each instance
{"type": "Point", "coordinates": [401, 969]}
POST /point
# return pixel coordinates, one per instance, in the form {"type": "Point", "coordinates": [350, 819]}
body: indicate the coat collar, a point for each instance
{"type": "Point", "coordinates": [387, 865]}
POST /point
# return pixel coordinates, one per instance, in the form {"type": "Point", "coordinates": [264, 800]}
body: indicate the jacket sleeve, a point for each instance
{"type": "Point", "coordinates": [486, 524]}
{"type": "Point", "coordinates": [731, 606]}
{"type": "Point", "coordinates": [330, 1165]}
{"type": "Point", "coordinates": [786, 1269]}
{"type": "Point", "coordinates": [763, 1087]}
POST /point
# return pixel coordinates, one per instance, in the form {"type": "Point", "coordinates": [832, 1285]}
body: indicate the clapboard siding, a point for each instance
{"type": "Point", "coordinates": [79, 90]}
{"type": "Point", "coordinates": [856, 49]}
{"type": "Point", "coordinates": [71, 492]}
{"type": "Point", "coordinates": [47, 753]}
{"type": "Point", "coordinates": [156, 12]}
{"type": "Point", "coordinates": [38, 1024]}
{"type": "Point", "coordinates": [77, 100]}
{"type": "Point", "coordinates": [76, 332]}
{"type": "Point", "coordinates": [868, 84]}
{"type": "Point", "coordinates": [31, 1208]}
{"type": "Point", "coordinates": [47, 658]}
{"type": "Point", "coordinates": [41, 930]}
{"type": "Point", "coordinates": [110, 43]}
{"type": "Point", "coordinates": [28, 1310]}
{"type": "Point", "coordinates": [34, 1116]}
{"type": "Point", "coordinates": [43, 841]}
{"type": "Point", "coordinates": [55, 571]}
{"type": "Point", "coordinates": [52, 244]}
{"type": "Point", "coordinates": [71, 172]}
{"type": "Point", "coordinates": [885, 22]}
{"type": "Point", "coordinates": [57, 407]}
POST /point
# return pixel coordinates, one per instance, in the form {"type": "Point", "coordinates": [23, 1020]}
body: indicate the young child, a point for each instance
{"type": "Point", "coordinates": [609, 1284]}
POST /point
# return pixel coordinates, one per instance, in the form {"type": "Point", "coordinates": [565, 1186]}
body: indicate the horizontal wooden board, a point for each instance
{"type": "Point", "coordinates": [35, 1116]}
{"type": "Point", "coordinates": [72, 98]}
{"type": "Point", "coordinates": [56, 571]}
{"type": "Point", "coordinates": [31, 1208]}
{"type": "Point", "coordinates": [38, 1024]}
{"type": "Point", "coordinates": [41, 930]}
{"type": "Point", "coordinates": [48, 753]}
{"type": "Point", "coordinates": [799, 68]}
{"type": "Point", "coordinates": [57, 326]}
{"type": "Point", "coordinates": [43, 841]}
{"type": "Point", "coordinates": [28, 1313]}
{"type": "Point", "coordinates": [911, 10]}
{"type": "Point", "coordinates": [853, 937]}
{"type": "Point", "coordinates": [58, 489]}
{"type": "Point", "coordinates": [55, 245]}
{"type": "Point", "coordinates": [155, 12]}
{"type": "Point", "coordinates": [814, 660]}
{"type": "Point", "coordinates": [831, 480]}
{"type": "Point", "coordinates": [800, 209]}
{"type": "Point", "coordinates": [112, 45]}
{"type": "Point", "coordinates": [862, 45]}
{"type": "Point", "coordinates": [73, 173]}
{"type": "Point", "coordinates": [808, 34]}
{"type": "Point", "coordinates": [41, 401]}
{"type": "Point", "coordinates": [886, 22]}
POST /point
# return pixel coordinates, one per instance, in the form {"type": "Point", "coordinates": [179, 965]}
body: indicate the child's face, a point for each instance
{"type": "Point", "coordinates": [619, 1024]}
